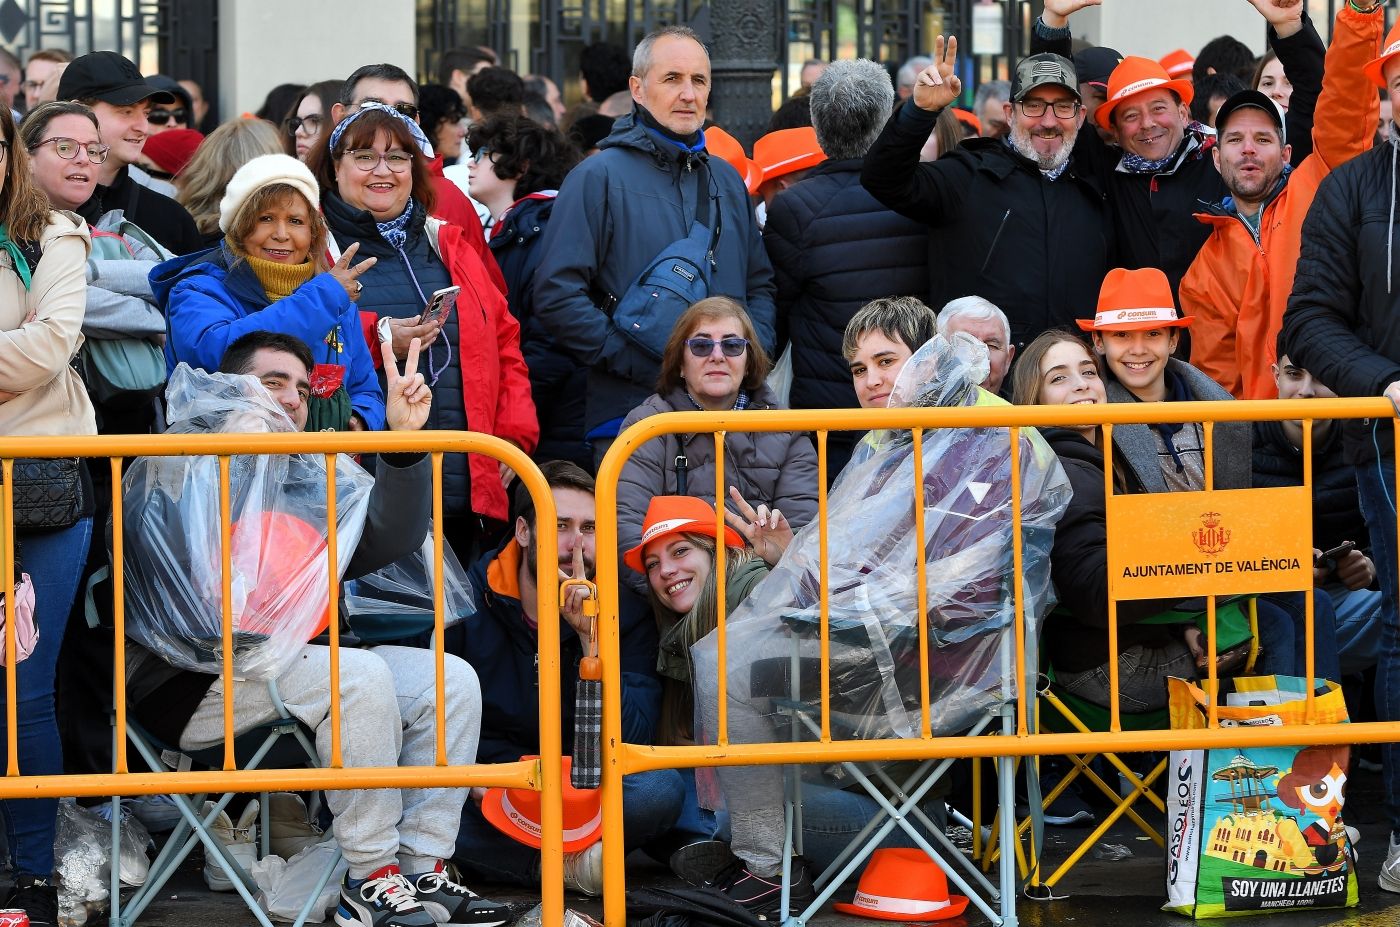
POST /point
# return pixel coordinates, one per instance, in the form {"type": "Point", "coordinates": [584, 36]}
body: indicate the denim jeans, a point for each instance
{"type": "Point", "coordinates": [1358, 627]}
{"type": "Point", "coordinates": [54, 561]}
{"type": "Point", "coordinates": [651, 804]}
{"type": "Point", "coordinates": [1283, 631]}
{"type": "Point", "coordinates": [1142, 675]}
{"type": "Point", "coordinates": [1376, 491]}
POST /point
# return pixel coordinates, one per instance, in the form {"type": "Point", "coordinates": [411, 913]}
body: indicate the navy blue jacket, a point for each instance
{"type": "Point", "coordinates": [1336, 509]}
{"type": "Point", "coordinates": [503, 650]}
{"type": "Point", "coordinates": [557, 382]}
{"type": "Point", "coordinates": [210, 300]}
{"type": "Point", "coordinates": [614, 214]}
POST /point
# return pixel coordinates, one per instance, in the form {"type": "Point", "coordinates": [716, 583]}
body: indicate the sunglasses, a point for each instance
{"type": "Point", "coordinates": [160, 117]}
{"type": "Point", "coordinates": [403, 109]}
{"type": "Point", "coordinates": [481, 154]}
{"type": "Point", "coordinates": [67, 149]}
{"type": "Point", "coordinates": [704, 347]}
{"type": "Point", "coordinates": [294, 124]}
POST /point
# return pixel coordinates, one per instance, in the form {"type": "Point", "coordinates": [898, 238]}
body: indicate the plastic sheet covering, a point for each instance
{"type": "Point", "coordinates": [174, 601]}
{"type": "Point", "coordinates": [82, 853]}
{"type": "Point", "coordinates": [397, 601]}
{"type": "Point", "coordinates": [284, 885]}
{"type": "Point", "coordinates": [774, 651]}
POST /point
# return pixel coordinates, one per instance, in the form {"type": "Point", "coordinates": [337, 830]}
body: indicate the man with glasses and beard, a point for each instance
{"type": "Point", "coordinates": [1011, 220]}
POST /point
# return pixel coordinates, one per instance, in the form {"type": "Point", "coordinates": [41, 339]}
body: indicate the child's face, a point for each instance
{"type": "Point", "coordinates": [875, 367]}
{"type": "Point", "coordinates": [1138, 359]}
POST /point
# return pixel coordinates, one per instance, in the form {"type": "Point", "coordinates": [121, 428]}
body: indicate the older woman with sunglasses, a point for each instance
{"type": "Point", "coordinates": [714, 362]}
{"type": "Point", "coordinates": [379, 193]}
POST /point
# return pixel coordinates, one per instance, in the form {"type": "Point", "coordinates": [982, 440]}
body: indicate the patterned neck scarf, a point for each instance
{"type": "Point", "coordinates": [17, 258]}
{"type": "Point", "coordinates": [1195, 135]}
{"type": "Point", "coordinates": [395, 231]}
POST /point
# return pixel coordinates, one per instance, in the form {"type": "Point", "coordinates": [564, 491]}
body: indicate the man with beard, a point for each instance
{"type": "Point", "coordinates": [1238, 286]}
{"type": "Point", "coordinates": [501, 643]}
{"type": "Point", "coordinates": [1011, 220]}
{"type": "Point", "coordinates": [1163, 169]}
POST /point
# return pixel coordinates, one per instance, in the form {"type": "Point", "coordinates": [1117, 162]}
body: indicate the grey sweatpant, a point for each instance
{"type": "Point", "coordinates": [388, 718]}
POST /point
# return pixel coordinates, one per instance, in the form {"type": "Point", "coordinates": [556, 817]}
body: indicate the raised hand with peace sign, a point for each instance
{"type": "Point", "coordinates": [937, 85]}
{"type": "Point", "coordinates": [766, 530]}
{"type": "Point", "coordinates": [348, 276]}
{"type": "Point", "coordinates": [407, 397]}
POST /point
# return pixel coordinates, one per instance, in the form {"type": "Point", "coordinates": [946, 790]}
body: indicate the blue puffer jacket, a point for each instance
{"type": "Point", "coordinates": [210, 301]}
{"type": "Point", "coordinates": [614, 213]}
{"type": "Point", "coordinates": [557, 382]}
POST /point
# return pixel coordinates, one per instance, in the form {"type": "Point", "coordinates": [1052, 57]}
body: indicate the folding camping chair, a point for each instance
{"type": "Point", "coordinates": [280, 743]}
{"type": "Point", "coordinates": [900, 802]}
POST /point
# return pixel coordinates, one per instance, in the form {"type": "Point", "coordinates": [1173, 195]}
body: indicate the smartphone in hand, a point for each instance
{"type": "Point", "coordinates": [440, 305]}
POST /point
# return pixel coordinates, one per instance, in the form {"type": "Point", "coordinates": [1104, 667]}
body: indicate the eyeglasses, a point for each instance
{"type": "Point", "coordinates": [68, 148]}
{"type": "Point", "coordinates": [367, 159]}
{"type": "Point", "coordinates": [30, 86]}
{"type": "Point", "coordinates": [403, 109]}
{"type": "Point", "coordinates": [4, 80]}
{"type": "Point", "coordinates": [160, 117]}
{"type": "Point", "coordinates": [294, 124]}
{"type": "Point", "coordinates": [1064, 109]}
{"type": "Point", "coordinates": [704, 347]}
{"type": "Point", "coordinates": [481, 154]}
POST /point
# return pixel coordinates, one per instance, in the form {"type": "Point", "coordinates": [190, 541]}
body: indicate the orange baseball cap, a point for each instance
{"type": "Point", "coordinates": [1135, 75]}
{"type": "Point", "coordinates": [967, 119]}
{"type": "Point", "coordinates": [1135, 300]}
{"type": "Point", "coordinates": [785, 151]}
{"type": "Point", "coordinates": [1373, 69]}
{"type": "Point", "coordinates": [903, 885]}
{"type": "Point", "coordinates": [669, 515]}
{"type": "Point", "coordinates": [1176, 63]}
{"type": "Point", "coordinates": [727, 148]}
{"type": "Point", "coordinates": [516, 813]}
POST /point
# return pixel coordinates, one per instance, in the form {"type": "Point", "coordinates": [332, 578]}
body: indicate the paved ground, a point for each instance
{"type": "Point", "coordinates": [1100, 892]}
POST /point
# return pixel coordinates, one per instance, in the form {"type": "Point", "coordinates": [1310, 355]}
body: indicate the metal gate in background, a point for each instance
{"type": "Point", "coordinates": [174, 37]}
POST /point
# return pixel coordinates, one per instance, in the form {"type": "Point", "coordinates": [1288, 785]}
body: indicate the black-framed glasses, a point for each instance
{"type": "Point", "coordinates": [1064, 109]}
{"type": "Point", "coordinates": [481, 154]}
{"type": "Point", "coordinates": [704, 347]}
{"type": "Point", "coordinates": [403, 109]}
{"type": "Point", "coordinates": [367, 159]}
{"type": "Point", "coordinates": [294, 124]}
{"type": "Point", "coordinates": [68, 148]}
{"type": "Point", "coordinates": [159, 117]}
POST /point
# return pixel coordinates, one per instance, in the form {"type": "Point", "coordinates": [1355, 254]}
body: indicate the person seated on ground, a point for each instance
{"type": "Point", "coordinates": [271, 273]}
{"type": "Point", "coordinates": [501, 643]}
{"type": "Point", "coordinates": [873, 607]}
{"type": "Point", "coordinates": [714, 362]}
{"type": "Point", "coordinates": [1139, 367]}
{"type": "Point", "coordinates": [982, 320]}
{"type": "Point", "coordinates": [394, 841]}
{"type": "Point", "coordinates": [1058, 368]}
{"type": "Point", "coordinates": [1347, 575]}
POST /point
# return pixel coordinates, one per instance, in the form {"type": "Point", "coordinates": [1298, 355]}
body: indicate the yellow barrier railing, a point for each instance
{"type": "Point", "coordinates": [621, 758]}
{"type": "Point", "coordinates": [543, 775]}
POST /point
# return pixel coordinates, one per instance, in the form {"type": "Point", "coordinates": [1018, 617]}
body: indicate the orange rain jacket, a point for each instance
{"type": "Point", "coordinates": [1237, 287]}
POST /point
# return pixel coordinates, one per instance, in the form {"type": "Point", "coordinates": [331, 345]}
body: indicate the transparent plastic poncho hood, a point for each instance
{"type": "Point", "coordinates": [279, 567]}
{"type": "Point", "coordinates": [773, 637]}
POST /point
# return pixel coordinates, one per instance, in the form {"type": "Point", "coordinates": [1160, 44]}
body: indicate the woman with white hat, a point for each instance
{"type": "Point", "coordinates": [271, 273]}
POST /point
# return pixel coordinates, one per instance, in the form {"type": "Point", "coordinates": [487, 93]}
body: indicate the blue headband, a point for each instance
{"type": "Point", "coordinates": [373, 106]}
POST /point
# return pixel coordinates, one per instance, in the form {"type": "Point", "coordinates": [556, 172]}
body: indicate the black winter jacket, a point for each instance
{"type": "Point", "coordinates": [1336, 511]}
{"type": "Point", "coordinates": [398, 286]}
{"type": "Point", "coordinates": [834, 248]}
{"type": "Point", "coordinates": [1343, 319]}
{"type": "Point", "coordinates": [614, 213]}
{"type": "Point", "coordinates": [1036, 248]}
{"type": "Point", "coordinates": [1076, 633]}
{"type": "Point", "coordinates": [557, 382]}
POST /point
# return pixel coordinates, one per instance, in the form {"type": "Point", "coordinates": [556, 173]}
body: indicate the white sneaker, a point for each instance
{"type": "Point", "coordinates": [289, 829]}
{"type": "Point", "coordinates": [583, 870]}
{"type": "Point", "coordinates": [237, 840]}
{"type": "Point", "coordinates": [1390, 869]}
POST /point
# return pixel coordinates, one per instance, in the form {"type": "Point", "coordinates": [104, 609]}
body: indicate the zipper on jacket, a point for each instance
{"type": "Point", "coordinates": [991, 249]}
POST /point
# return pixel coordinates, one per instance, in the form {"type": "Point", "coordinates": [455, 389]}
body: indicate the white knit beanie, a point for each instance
{"type": "Point", "coordinates": [260, 172]}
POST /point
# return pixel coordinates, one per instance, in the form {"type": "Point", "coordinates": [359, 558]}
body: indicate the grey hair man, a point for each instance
{"type": "Point", "coordinates": [982, 320]}
{"type": "Point", "coordinates": [908, 73]}
{"type": "Point", "coordinates": [833, 247]}
{"type": "Point", "coordinates": [990, 106]}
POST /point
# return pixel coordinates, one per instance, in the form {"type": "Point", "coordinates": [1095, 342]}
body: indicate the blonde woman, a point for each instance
{"type": "Point", "coordinates": [200, 186]}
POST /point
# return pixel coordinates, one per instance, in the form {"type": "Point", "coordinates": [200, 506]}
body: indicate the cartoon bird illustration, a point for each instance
{"type": "Point", "coordinates": [1316, 785]}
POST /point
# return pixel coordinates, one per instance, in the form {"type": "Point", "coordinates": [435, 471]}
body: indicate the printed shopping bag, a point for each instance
{"type": "Point", "coordinates": [1257, 829]}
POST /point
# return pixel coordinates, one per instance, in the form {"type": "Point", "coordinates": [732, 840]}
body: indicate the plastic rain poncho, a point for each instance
{"type": "Point", "coordinates": [967, 559]}
{"type": "Point", "coordinates": [279, 579]}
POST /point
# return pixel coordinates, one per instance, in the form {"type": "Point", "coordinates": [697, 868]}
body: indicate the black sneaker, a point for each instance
{"type": "Point", "coordinates": [761, 896]}
{"type": "Point", "coordinates": [450, 902]}
{"type": "Point", "coordinates": [37, 898]}
{"type": "Point", "coordinates": [701, 862]}
{"type": "Point", "coordinates": [384, 899]}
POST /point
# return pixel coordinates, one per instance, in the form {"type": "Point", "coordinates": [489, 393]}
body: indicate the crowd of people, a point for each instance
{"type": "Point", "coordinates": [474, 254]}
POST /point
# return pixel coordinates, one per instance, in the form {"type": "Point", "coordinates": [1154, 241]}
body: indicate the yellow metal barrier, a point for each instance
{"type": "Point", "coordinates": [620, 758]}
{"type": "Point", "coordinates": [543, 775]}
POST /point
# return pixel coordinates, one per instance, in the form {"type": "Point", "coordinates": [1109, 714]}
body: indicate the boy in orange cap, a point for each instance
{"type": "Point", "coordinates": [1163, 167]}
{"type": "Point", "coordinates": [782, 159]}
{"type": "Point", "coordinates": [1340, 326]}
